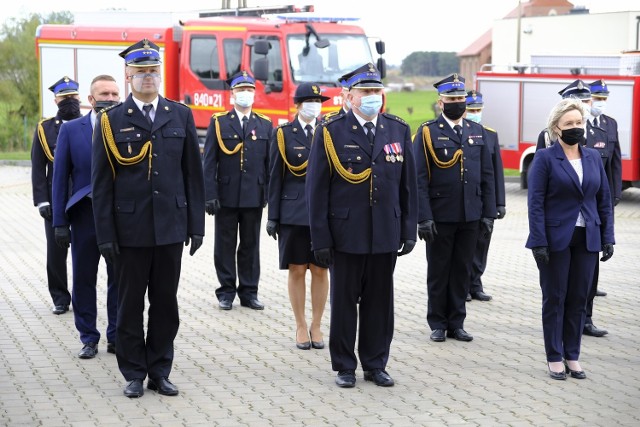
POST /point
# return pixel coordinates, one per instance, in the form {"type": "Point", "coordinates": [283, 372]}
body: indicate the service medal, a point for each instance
{"type": "Point", "coordinates": [388, 158]}
{"type": "Point", "coordinates": [400, 158]}
{"type": "Point", "coordinates": [393, 158]}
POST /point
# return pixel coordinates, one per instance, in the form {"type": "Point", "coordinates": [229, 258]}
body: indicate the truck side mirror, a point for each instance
{"type": "Point", "coordinates": [380, 48]}
{"type": "Point", "coordinates": [382, 67]}
{"type": "Point", "coordinates": [261, 47]}
{"type": "Point", "coordinates": [261, 69]}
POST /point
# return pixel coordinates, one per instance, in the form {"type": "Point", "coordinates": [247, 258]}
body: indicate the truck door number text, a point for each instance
{"type": "Point", "coordinates": [207, 99]}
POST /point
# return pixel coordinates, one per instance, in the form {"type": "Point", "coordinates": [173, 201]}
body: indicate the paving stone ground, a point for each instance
{"type": "Point", "coordinates": [241, 367]}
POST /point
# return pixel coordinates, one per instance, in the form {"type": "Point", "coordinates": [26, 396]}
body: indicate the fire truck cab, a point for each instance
{"type": "Point", "coordinates": [281, 51]}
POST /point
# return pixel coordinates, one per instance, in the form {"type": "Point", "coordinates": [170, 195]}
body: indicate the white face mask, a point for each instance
{"type": "Point", "coordinates": [598, 107]}
{"type": "Point", "coordinates": [587, 112]}
{"type": "Point", "coordinates": [244, 98]}
{"type": "Point", "coordinates": [474, 117]}
{"type": "Point", "coordinates": [310, 110]}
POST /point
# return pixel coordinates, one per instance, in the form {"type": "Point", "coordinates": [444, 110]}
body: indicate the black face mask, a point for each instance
{"type": "Point", "coordinates": [69, 109]}
{"type": "Point", "coordinates": [100, 105]}
{"type": "Point", "coordinates": [572, 136]}
{"type": "Point", "coordinates": [454, 110]}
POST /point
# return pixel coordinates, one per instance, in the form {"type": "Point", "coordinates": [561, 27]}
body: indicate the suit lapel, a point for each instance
{"type": "Point", "coordinates": [566, 166]}
{"type": "Point", "coordinates": [135, 115]}
{"type": "Point", "coordinates": [380, 136]}
{"type": "Point", "coordinates": [357, 133]}
{"type": "Point", "coordinates": [163, 113]}
{"type": "Point", "coordinates": [87, 130]}
{"type": "Point", "coordinates": [234, 122]}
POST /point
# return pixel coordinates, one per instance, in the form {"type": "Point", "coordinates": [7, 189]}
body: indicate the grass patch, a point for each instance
{"type": "Point", "coordinates": [414, 107]}
{"type": "Point", "coordinates": [15, 155]}
{"type": "Point", "coordinates": [511, 172]}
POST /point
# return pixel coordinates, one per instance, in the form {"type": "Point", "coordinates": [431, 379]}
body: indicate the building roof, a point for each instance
{"type": "Point", "coordinates": [478, 45]}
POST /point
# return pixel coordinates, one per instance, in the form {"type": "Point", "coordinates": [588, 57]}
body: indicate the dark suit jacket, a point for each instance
{"type": "Point", "coordinates": [555, 197]}
{"type": "Point", "coordinates": [493, 144]}
{"type": "Point", "coordinates": [610, 126]}
{"type": "Point", "coordinates": [225, 180]}
{"type": "Point", "coordinates": [444, 194]}
{"type": "Point", "coordinates": [372, 217]}
{"type": "Point", "coordinates": [72, 160]}
{"type": "Point", "coordinates": [41, 166]}
{"type": "Point", "coordinates": [142, 206]}
{"type": "Point", "coordinates": [287, 197]}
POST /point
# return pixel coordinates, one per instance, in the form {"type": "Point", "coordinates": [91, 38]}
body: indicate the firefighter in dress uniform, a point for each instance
{"type": "Point", "coordinates": [361, 189]}
{"type": "Point", "coordinates": [236, 170]}
{"type": "Point", "coordinates": [475, 104]}
{"type": "Point", "coordinates": [67, 98]}
{"type": "Point", "coordinates": [595, 137]}
{"type": "Point", "coordinates": [456, 203]}
{"type": "Point", "coordinates": [148, 203]}
{"type": "Point", "coordinates": [289, 215]}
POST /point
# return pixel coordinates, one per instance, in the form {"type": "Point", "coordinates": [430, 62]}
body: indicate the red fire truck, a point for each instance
{"type": "Point", "coordinates": [517, 105]}
{"type": "Point", "coordinates": [199, 54]}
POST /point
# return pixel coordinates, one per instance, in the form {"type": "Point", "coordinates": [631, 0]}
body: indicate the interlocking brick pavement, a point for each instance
{"type": "Point", "coordinates": [242, 368]}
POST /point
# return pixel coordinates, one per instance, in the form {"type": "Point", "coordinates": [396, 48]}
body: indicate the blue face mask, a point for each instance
{"type": "Point", "coordinates": [370, 105]}
{"type": "Point", "coordinates": [474, 117]}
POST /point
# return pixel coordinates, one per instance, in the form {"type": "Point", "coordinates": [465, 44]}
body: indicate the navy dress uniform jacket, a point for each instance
{"type": "Point", "coordinates": [610, 125]}
{"type": "Point", "coordinates": [496, 160]}
{"type": "Point", "coordinates": [447, 194]}
{"type": "Point", "coordinates": [41, 165]}
{"type": "Point", "coordinates": [372, 217]}
{"type": "Point", "coordinates": [287, 197]}
{"type": "Point", "coordinates": [555, 198]}
{"type": "Point", "coordinates": [237, 180]}
{"type": "Point", "coordinates": [148, 204]}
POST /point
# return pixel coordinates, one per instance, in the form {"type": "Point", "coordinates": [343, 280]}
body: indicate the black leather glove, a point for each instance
{"type": "Point", "coordinates": [272, 229]}
{"type": "Point", "coordinates": [407, 246]}
{"type": "Point", "coordinates": [45, 212]}
{"type": "Point", "coordinates": [212, 206]}
{"type": "Point", "coordinates": [109, 251]}
{"type": "Point", "coordinates": [427, 231]}
{"type": "Point", "coordinates": [541, 254]}
{"type": "Point", "coordinates": [502, 211]}
{"type": "Point", "coordinates": [196, 242]}
{"type": "Point", "coordinates": [324, 256]}
{"type": "Point", "coordinates": [486, 227]}
{"type": "Point", "coordinates": [616, 200]}
{"type": "Point", "coordinates": [607, 252]}
{"type": "Point", "coordinates": [62, 236]}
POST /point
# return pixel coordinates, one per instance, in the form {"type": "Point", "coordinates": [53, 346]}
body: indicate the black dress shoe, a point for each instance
{"type": "Point", "coordinates": [225, 304]}
{"type": "Point", "coordinates": [379, 377]}
{"type": "Point", "coordinates": [468, 297]}
{"type": "Point", "coordinates": [579, 375]}
{"type": "Point", "coordinates": [346, 378]}
{"type": "Point", "coordinates": [89, 351]}
{"type": "Point", "coordinates": [437, 335]}
{"type": "Point", "coordinates": [134, 388]}
{"type": "Point", "coordinates": [460, 335]}
{"type": "Point", "coordinates": [253, 304]}
{"type": "Point", "coordinates": [481, 296]}
{"type": "Point", "coordinates": [60, 309]}
{"type": "Point", "coordinates": [591, 330]}
{"type": "Point", "coordinates": [318, 345]}
{"type": "Point", "coordinates": [163, 386]}
{"type": "Point", "coordinates": [601, 294]}
{"type": "Point", "coordinates": [111, 347]}
{"type": "Point", "coordinates": [556, 375]}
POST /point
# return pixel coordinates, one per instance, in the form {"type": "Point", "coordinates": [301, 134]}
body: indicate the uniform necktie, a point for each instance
{"type": "Point", "coordinates": [458, 130]}
{"type": "Point", "coordinates": [245, 123]}
{"type": "Point", "coordinates": [370, 134]}
{"type": "Point", "coordinates": [595, 121]}
{"type": "Point", "coordinates": [147, 113]}
{"type": "Point", "coordinates": [309, 130]}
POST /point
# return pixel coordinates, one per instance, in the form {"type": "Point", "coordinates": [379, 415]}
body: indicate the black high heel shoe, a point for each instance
{"type": "Point", "coordinates": [318, 345]}
{"type": "Point", "coordinates": [579, 375]}
{"type": "Point", "coordinates": [556, 375]}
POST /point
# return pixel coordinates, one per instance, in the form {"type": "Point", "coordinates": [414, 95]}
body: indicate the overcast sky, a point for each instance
{"type": "Point", "coordinates": [404, 26]}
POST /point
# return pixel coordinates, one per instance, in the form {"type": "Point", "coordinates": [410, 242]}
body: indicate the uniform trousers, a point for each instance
{"type": "Point", "coordinates": [56, 268]}
{"type": "Point", "coordinates": [565, 284]}
{"type": "Point", "coordinates": [449, 259]}
{"type": "Point", "coordinates": [229, 223]}
{"type": "Point", "coordinates": [85, 258]}
{"type": "Point", "coordinates": [155, 269]}
{"type": "Point", "coordinates": [479, 263]}
{"type": "Point", "coordinates": [368, 277]}
{"type": "Point", "coordinates": [592, 294]}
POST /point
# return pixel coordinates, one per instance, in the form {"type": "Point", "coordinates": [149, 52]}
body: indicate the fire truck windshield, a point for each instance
{"type": "Point", "coordinates": [310, 63]}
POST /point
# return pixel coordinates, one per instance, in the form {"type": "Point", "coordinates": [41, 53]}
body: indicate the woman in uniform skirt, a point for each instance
{"type": "Point", "coordinates": [288, 215]}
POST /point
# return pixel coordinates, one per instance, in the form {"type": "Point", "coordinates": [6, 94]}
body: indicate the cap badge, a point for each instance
{"type": "Point", "coordinates": [66, 79]}
{"type": "Point", "coordinates": [145, 44]}
{"type": "Point", "coordinates": [315, 90]}
{"type": "Point", "coordinates": [372, 69]}
{"type": "Point", "coordinates": [580, 86]}
{"type": "Point", "coordinates": [455, 78]}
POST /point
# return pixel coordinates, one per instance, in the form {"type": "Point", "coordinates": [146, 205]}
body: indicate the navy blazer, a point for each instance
{"type": "Point", "coordinates": [555, 198]}
{"type": "Point", "coordinates": [41, 165]}
{"type": "Point", "coordinates": [610, 125]}
{"type": "Point", "coordinates": [237, 180]}
{"type": "Point", "coordinates": [371, 217]}
{"type": "Point", "coordinates": [447, 194]}
{"type": "Point", "coordinates": [72, 160]}
{"type": "Point", "coordinates": [160, 200]}
{"type": "Point", "coordinates": [493, 144]}
{"type": "Point", "coordinates": [287, 197]}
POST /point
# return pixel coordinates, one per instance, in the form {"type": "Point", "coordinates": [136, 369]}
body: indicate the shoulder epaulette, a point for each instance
{"type": "Point", "coordinates": [262, 116]}
{"type": "Point", "coordinates": [285, 124]}
{"type": "Point", "coordinates": [429, 122]}
{"type": "Point", "coordinates": [396, 118]}
{"type": "Point", "coordinates": [333, 119]}
{"type": "Point", "coordinates": [490, 129]}
{"type": "Point", "coordinates": [177, 102]}
{"type": "Point", "coordinates": [220, 114]}
{"type": "Point", "coordinates": [46, 119]}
